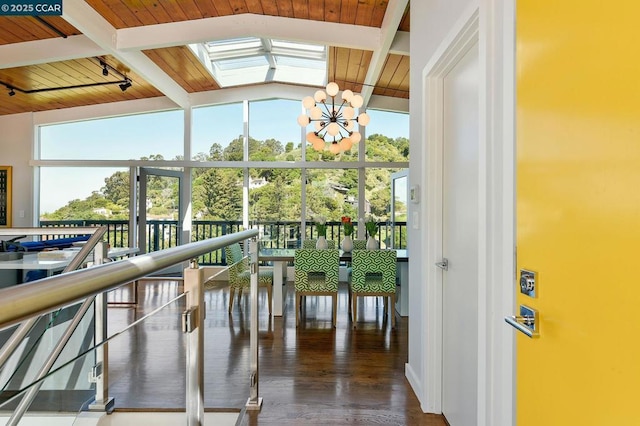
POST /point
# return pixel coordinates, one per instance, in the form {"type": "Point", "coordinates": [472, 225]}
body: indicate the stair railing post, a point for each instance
{"type": "Point", "coordinates": [254, 402]}
{"type": "Point", "coordinates": [100, 373]}
{"type": "Point", "coordinates": [193, 325]}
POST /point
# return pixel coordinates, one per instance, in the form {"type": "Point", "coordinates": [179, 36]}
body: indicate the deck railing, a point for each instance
{"type": "Point", "coordinates": [162, 234]}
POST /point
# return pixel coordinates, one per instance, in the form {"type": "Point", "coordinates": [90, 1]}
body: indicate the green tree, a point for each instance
{"type": "Point", "coordinates": [221, 194]}
{"type": "Point", "coordinates": [116, 188]}
{"type": "Point", "coordinates": [234, 151]}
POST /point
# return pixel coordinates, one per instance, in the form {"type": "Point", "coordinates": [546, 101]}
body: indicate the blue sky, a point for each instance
{"type": "Point", "coordinates": [133, 137]}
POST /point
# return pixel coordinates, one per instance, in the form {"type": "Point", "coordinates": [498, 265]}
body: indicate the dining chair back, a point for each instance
{"type": "Point", "coordinates": [240, 276]}
{"type": "Point", "coordinates": [316, 274]}
{"type": "Point", "coordinates": [359, 244]}
{"type": "Point", "coordinates": [373, 274]}
{"type": "Point", "coordinates": [311, 244]}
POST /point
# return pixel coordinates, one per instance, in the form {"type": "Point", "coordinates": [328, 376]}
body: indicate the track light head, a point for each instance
{"type": "Point", "coordinates": [125, 85]}
{"type": "Point", "coordinates": [105, 68]}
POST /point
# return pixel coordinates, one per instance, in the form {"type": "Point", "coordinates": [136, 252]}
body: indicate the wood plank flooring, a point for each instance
{"type": "Point", "coordinates": [313, 374]}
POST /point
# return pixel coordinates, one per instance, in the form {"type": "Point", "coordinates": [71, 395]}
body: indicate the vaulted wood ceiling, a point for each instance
{"type": "Point", "coordinates": [145, 41]}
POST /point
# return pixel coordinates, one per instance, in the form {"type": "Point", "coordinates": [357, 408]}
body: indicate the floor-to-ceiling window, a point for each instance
{"type": "Point", "coordinates": [293, 183]}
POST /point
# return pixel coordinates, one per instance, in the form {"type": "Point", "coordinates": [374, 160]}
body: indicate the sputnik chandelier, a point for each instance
{"type": "Point", "coordinates": [334, 121]}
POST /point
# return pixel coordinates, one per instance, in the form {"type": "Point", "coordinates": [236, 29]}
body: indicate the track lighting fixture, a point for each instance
{"type": "Point", "coordinates": [125, 85]}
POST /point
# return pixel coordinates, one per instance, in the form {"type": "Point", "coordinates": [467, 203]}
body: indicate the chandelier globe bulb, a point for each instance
{"type": "Point", "coordinates": [332, 89]}
{"type": "Point", "coordinates": [320, 96]}
{"type": "Point", "coordinates": [348, 112]}
{"type": "Point", "coordinates": [303, 120]}
{"type": "Point", "coordinates": [347, 95]}
{"type": "Point", "coordinates": [316, 113]}
{"type": "Point", "coordinates": [334, 148]}
{"type": "Point", "coordinates": [308, 102]}
{"type": "Point", "coordinates": [357, 101]}
{"type": "Point", "coordinates": [355, 137]}
{"type": "Point", "coordinates": [346, 144]}
{"type": "Point", "coordinates": [363, 119]}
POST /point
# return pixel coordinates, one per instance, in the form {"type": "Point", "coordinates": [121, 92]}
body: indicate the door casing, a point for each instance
{"type": "Point", "coordinates": [497, 212]}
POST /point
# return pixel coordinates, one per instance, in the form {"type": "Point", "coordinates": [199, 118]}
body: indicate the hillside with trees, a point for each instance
{"type": "Point", "coordinates": [274, 194]}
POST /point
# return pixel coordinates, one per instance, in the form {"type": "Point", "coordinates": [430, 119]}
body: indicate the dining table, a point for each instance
{"type": "Point", "coordinates": [280, 257]}
{"type": "Point", "coordinates": [55, 261]}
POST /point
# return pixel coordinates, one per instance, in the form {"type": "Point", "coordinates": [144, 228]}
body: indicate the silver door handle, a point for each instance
{"type": "Point", "coordinates": [526, 322]}
{"type": "Point", "coordinates": [444, 265]}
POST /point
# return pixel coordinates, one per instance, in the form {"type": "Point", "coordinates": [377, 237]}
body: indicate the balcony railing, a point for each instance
{"type": "Point", "coordinates": [162, 234]}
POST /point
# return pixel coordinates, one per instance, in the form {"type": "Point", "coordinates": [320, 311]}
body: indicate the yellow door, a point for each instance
{"type": "Point", "coordinates": [578, 210]}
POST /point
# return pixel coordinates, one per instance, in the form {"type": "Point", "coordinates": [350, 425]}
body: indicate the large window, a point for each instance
{"type": "Point", "coordinates": [272, 136]}
{"type": "Point", "coordinates": [153, 136]}
{"type": "Point", "coordinates": [84, 193]}
{"type": "Point", "coordinates": [272, 195]}
{"type": "Point", "coordinates": [275, 205]}
{"type": "Point", "coordinates": [387, 136]}
{"type": "Point", "coordinates": [218, 133]}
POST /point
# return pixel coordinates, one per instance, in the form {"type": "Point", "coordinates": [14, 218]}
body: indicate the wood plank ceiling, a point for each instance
{"type": "Point", "coordinates": [38, 54]}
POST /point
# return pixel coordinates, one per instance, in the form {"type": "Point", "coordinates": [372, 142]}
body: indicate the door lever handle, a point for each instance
{"type": "Point", "coordinates": [444, 265]}
{"type": "Point", "coordinates": [526, 322]}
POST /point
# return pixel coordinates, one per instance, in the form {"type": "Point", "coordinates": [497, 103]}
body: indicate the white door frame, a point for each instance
{"type": "Point", "coordinates": [491, 23]}
{"type": "Point", "coordinates": [143, 173]}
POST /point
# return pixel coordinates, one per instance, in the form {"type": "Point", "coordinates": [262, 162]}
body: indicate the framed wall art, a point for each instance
{"type": "Point", "coordinates": [5, 196]}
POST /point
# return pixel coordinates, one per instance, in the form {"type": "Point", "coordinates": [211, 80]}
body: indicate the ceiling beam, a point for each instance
{"type": "Point", "coordinates": [245, 25]}
{"type": "Point", "coordinates": [48, 50]}
{"type": "Point", "coordinates": [389, 27]}
{"type": "Point", "coordinates": [400, 45]}
{"type": "Point", "coordinates": [82, 16]}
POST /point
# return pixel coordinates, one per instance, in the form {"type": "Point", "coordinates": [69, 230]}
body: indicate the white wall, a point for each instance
{"type": "Point", "coordinates": [431, 21]}
{"type": "Point", "coordinates": [16, 142]}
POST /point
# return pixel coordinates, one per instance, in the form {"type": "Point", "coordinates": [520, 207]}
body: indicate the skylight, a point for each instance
{"type": "Point", "coordinates": [251, 60]}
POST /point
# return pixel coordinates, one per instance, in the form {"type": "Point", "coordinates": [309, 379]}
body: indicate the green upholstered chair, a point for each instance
{"type": "Point", "coordinates": [311, 244]}
{"type": "Point", "coordinates": [240, 276]}
{"type": "Point", "coordinates": [373, 274]}
{"type": "Point", "coordinates": [316, 274]}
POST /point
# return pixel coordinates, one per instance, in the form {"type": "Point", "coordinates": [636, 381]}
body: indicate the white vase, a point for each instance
{"type": "Point", "coordinates": [347, 244]}
{"type": "Point", "coordinates": [321, 244]}
{"type": "Point", "coordinates": [372, 243]}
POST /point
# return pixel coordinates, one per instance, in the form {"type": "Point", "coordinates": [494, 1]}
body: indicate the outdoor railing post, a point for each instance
{"type": "Point", "coordinates": [100, 373]}
{"type": "Point", "coordinates": [193, 325]}
{"type": "Point", "coordinates": [254, 402]}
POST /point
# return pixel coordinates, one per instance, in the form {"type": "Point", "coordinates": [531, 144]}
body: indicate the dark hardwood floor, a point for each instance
{"type": "Point", "coordinates": [313, 374]}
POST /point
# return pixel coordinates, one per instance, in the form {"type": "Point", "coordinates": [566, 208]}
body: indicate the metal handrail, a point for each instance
{"type": "Point", "coordinates": [16, 338]}
{"type": "Point", "coordinates": [26, 326]}
{"type": "Point", "coordinates": [42, 296]}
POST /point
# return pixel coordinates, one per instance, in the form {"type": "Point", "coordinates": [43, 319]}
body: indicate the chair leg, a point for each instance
{"type": "Point", "coordinates": [354, 309]}
{"type": "Point", "coordinates": [298, 309]}
{"type": "Point", "coordinates": [335, 309]}
{"type": "Point", "coordinates": [270, 297]}
{"type": "Point", "coordinates": [392, 310]}
{"type": "Point", "coordinates": [231, 294]}
{"type": "Point", "coordinates": [350, 295]}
